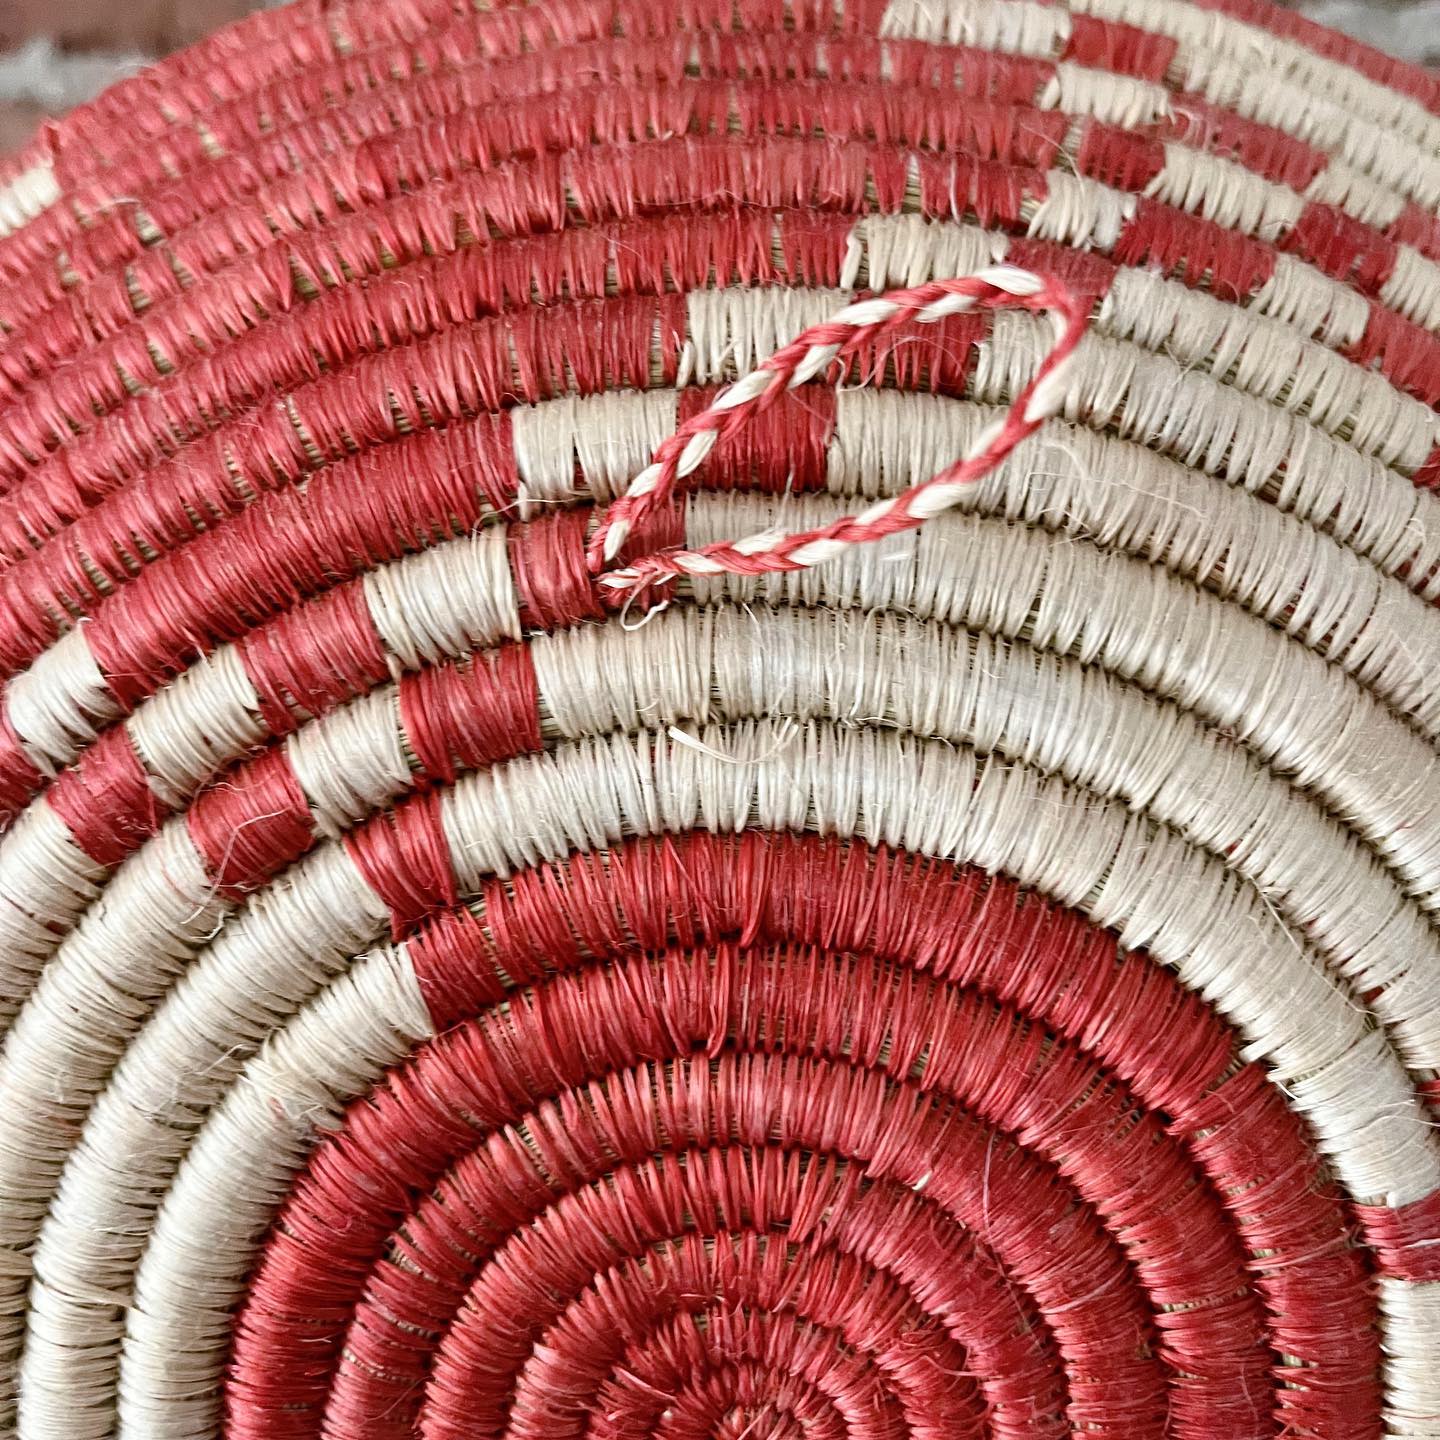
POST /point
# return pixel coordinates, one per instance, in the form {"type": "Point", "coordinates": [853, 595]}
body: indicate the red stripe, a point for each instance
{"type": "Point", "coordinates": [1419, 228]}
{"type": "Point", "coordinates": [552, 584]}
{"type": "Point", "coordinates": [709, 1374]}
{"type": "Point", "coordinates": [1120, 158]}
{"type": "Point", "coordinates": [1006, 1345]}
{"type": "Point", "coordinates": [1313, 1281]}
{"type": "Point", "coordinates": [1119, 48]}
{"type": "Point", "coordinates": [404, 857]}
{"type": "Point", "coordinates": [471, 713]}
{"type": "Point", "coordinates": [1197, 251]}
{"type": "Point", "coordinates": [783, 448]}
{"type": "Point", "coordinates": [98, 147]}
{"type": "Point", "coordinates": [162, 504]}
{"type": "Point", "coordinates": [1281, 158]}
{"type": "Point", "coordinates": [759, 883]}
{"type": "Point", "coordinates": [86, 140]}
{"type": "Point", "coordinates": [158, 509]}
{"type": "Point", "coordinates": [1406, 354]}
{"type": "Point", "coordinates": [1428, 475]}
{"type": "Point", "coordinates": [1343, 247]}
{"type": "Point", "coordinates": [1082, 270]}
{"type": "Point", "coordinates": [252, 824]}
{"type": "Point", "coordinates": [106, 801]}
{"type": "Point", "coordinates": [361, 513]}
{"type": "Point", "coordinates": [954, 186]}
{"type": "Point", "coordinates": [255, 820]}
{"type": "Point", "coordinates": [192, 211]}
{"type": "Point", "coordinates": [901, 1366]}
{"type": "Point", "coordinates": [939, 358]}
{"type": "Point", "coordinates": [814, 247]}
{"type": "Point", "coordinates": [438, 39]}
{"type": "Point", "coordinates": [1246, 1134]}
{"type": "Point", "coordinates": [314, 657]}
{"type": "Point", "coordinates": [1405, 1238]}
{"type": "Point", "coordinates": [218, 318]}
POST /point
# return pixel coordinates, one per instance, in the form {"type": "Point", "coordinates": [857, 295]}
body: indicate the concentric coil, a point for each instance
{"type": "Point", "coordinates": [986, 984]}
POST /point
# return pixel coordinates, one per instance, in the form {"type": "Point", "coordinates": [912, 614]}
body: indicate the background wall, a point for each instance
{"type": "Point", "coordinates": [56, 53]}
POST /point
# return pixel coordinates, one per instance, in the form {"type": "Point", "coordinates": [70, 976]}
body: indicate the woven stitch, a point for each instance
{"type": "Point", "coordinates": [718, 721]}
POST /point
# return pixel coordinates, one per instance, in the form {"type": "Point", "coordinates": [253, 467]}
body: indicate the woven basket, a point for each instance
{"type": "Point", "coordinates": [503, 935]}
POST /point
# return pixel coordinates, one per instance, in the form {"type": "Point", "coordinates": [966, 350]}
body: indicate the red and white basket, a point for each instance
{"type": "Point", "coordinates": [720, 720]}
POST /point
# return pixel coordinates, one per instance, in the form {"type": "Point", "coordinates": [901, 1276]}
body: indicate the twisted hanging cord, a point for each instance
{"type": "Point", "coordinates": [811, 353]}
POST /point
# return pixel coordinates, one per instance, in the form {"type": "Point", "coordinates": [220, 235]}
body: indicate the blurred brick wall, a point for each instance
{"type": "Point", "coordinates": [56, 53]}
{"type": "Point", "coordinates": [149, 26]}
{"type": "Point", "coordinates": [1408, 28]}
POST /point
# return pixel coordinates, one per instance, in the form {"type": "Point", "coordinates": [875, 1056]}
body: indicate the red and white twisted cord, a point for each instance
{"type": "Point", "coordinates": [810, 354]}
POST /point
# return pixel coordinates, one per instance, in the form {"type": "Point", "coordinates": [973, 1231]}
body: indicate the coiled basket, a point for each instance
{"type": "Point", "coordinates": [540, 900]}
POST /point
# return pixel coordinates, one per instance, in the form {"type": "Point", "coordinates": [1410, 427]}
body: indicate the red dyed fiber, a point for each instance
{"type": "Point", "coordinates": [1344, 247]}
{"type": "Point", "coordinates": [1110, 45]}
{"type": "Point", "coordinates": [251, 824]}
{"type": "Point", "coordinates": [106, 800]}
{"type": "Point", "coordinates": [20, 777]}
{"type": "Point", "coordinates": [547, 558]}
{"type": "Point", "coordinates": [457, 717]}
{"type": "Point", "coordinates": [1196, 250]}
{"type": "Point", "coordinates": [1404, 1236]}
{"type": "Point", "coordinates": [784, 449]}
{"type": "Point", "coordinates": [403, 857]}
{"type": "Point", "coordinates": [573, 934]}
{"type": "Point", "coordinates": [512, 1111]}
{"type": "Point", "coordinates": [1119, 157]}
{"type": "Point", "coordinates": [313, 657]}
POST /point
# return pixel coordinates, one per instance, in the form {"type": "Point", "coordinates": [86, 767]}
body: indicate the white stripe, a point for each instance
{"type": "Point", "coordinates": [445, 600]}
{"type": "Point", "coordinates": [1013, 27]}
{"type": "Point", "coordinates": [732, 330]}
{"type": "Point", "coordinates": [1080, 212]}
{"type": "Point", "coordinates": [1190, 911]}
{"type": "Point", "coordinates": [352, 761]}
{"type": "Point", "coordinates": [1186, 414]}
{"type": "Point", "coordinates": [1357, 194]}
{"type": "Point", "coordinates": [1315, 304]}
{"type": "Point", "coordinates": [58, 706]}
{"type": "Point", "coordinates": [1225, 193]}
{"type": "Point", "coordinates": [562, 449]}
{"type": "Point", "coordinates": [1347, 138]}
{"type": "Point", "coordinates": [46, 881]}
{"type": "Point", "coordinates": [1413, 288]}
{"type": "Point", "coordinates": [197, 724]}
{"type": "Point", "coordinates": [29, 194]}
{"type": "Point", "coordinates": [271, 957]}
{"type": "Point", "coordinates": [238, 1170]}
{"type": "Point", "coordinates": [159, 911]}
{"type": "Point", "coordinates": [1289, 707]}
{"type": "Point", "coordinates": [1112, 99]}
{"type": "Point", "coordinates": [1410, 1317]}
{"type": "Point", "coordinates": [1255, 555]}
